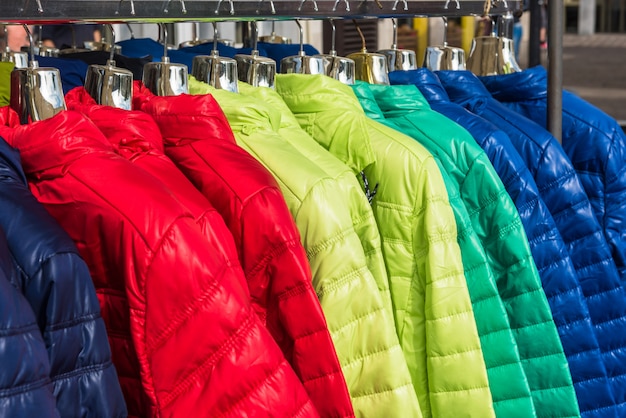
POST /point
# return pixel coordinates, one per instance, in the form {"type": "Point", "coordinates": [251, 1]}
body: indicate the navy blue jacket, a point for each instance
{"type": "Point", "coordinates": [56, 282]}
{"type": "Point", "coordinates": [25, 386]}
{"type": "Point", "coordinates": [594, 142]}
{"type": "Point", "coordinates": [563, 193]}
{"type": "Point", "coordinates": [558, 276]}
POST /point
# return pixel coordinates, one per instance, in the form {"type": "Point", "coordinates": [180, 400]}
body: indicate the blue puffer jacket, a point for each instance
{"type": "Point", "coordinates": [566, 199]}
{"type": "Point", "coordinates": [56, 282]}
{"type": "Point", "coordinates": [25, 386]}
{"type": "Point", "coordinates": [594, 142]}
{"type": "Point", "coordinates": [558, 276]}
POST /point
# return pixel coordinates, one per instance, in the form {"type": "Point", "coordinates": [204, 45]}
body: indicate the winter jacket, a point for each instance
{"type": "Point", "coordinates": [197, 344]}
{"type": "Point", "coordinates": [565, 197]}
{"type": "Point", "coordinates": [376, 370]}
{"type": "Point", "coordinates": [594, 142]}
{"type": "Point", "coordinates": [6, 68]}
{"type": "Point", "coordinates": [559, 278]}
{"type": "Point", "coordinates": [433, 310]}
{"type": "Point", "coordinates": [495, 218]}
{"type": "Point", "coordinates": [357, 201]}
{"type": "Point", "coordinates": [25, 386]}
{"type": "Point", "coordinates": [56, 282]}
{"type": "Point", "coordinates": [305, 339]}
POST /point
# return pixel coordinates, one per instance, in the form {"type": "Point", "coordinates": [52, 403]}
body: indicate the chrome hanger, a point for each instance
{"type": "Point", "coordinates": [302, 63]}
{"type": "Point", "coordinates": [399, 59]}
{"type": "Point", "coordinates": [339, 68]}
{"type": "Point", "coordinates": [19, 58]}
{"type": "Point", "coordinates": [165, 78]}
{"type": "Point", "coordinates": [444, 57]}
{"type": "Point", "coordinates": [36, 92]}
{"type": "Point", "coordinates": [255, 69]}
{"type": "Point", "coordinates": [110, 85]}
{"type": "Point", "coordinates": [219, 72]}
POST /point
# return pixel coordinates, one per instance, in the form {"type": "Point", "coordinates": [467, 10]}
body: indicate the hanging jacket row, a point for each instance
{"type": "Point", "coordinates": [334, 250]}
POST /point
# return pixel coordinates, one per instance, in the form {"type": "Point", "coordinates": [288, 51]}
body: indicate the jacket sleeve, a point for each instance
{"type": "Point", "coordinates": [202, 349]}
{"type": "Point", "coordinates": [375, 368]}
{"type": "Point", "coordinates": [451, 359]}
{"type": "Point", "coordinates": [25, 386]}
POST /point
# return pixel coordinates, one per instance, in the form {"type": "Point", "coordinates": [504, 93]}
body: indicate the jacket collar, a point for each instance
{"type": "Point", "coordinates": [425, 80]}
{"type": "Point", "coordinates": [530, 84]}
{"type": "Point", "coordinates": [10, 163]}
{"type": "Point", "coordinates": [464, 88]}
{"type": "Point", "coordinates": [399, 100]}
{"type": "Point", "coordinates": [57, 142]}
{"type": "Point", "coordinates": [126, 130]}
{"type": "Point", "coordinates": [343, 126]}
{"type": "Point", "coordinates": [185, 118]}
{"type": "Point", "coordinates": [273, 101]}
{"type": "Point", "coordinates": [245, 114]}
{"type": "Point", "coordinates": [364, 94]}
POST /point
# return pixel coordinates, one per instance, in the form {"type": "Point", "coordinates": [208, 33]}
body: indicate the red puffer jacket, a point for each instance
{"type": "Point", "coordinates": [136, 137]}
{"type": "Point", "coordinates": [199, 140]}
{"type": "Point", "coordinates": [200, 349]}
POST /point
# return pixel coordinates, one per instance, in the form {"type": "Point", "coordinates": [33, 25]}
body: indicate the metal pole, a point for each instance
{"type": "Point", "coordinates": [534, 56]}
{"type": "Point", "coordinates": [555, 67]}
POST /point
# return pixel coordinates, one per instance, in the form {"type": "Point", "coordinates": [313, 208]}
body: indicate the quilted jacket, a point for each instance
{"type": "Point", "coordinates": [25, 386]}
{"type": "Point", "coordinates": [196, 343]}
{"type": "Point", "coordinates": [56, 282]}
{"type": "Point", "coordinates": [559, 279]}
{"type": "Point", "coordinates": [565, 197]}
{"type": "Point", "coordinates": [379, 380]}
{"type": "Point", "coordinates": [200, 141]}
{"type": "Point", "coordinates": [593, 141]}
{"type": "Point", "coordinates": [358, 204]}
{"type": "Point", "coordinates": [433, 310]}
{"type": "Point", "coordinates": [497, 222]}
{"type": "Point", "coordinates": [290, 308]}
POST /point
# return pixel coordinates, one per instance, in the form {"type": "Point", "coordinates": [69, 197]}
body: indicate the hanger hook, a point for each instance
{"type": "Point", "coordinates": [360, 34]}
{"type": "Point", "coordinates": [395, 5]}
{"type": "Point", "coordinates": [39, 7]}
{"type": "Point", "coordinates": [182, 6]}
{"type": "Point", "coordinates": [163, 28]}
{"type": "Point", "coordinates": [332, 37]}
{"type": "Point", "coordinates": [132, 7]}
{"type": "Point", "coordinates": [232, 7]}
{"type": "Point", "coordinates": [337, 2]}
{"type": "Point", "coordinates": [315, 8]}
{"type": "Point", "coordinates": [31, 48]}
{"type": "Point", "coordinates": [394, 44]}
{"type": "Point", "coordinates": [458, 5]}
{"type": "Point", "coordinates": [214, 35]}
{"type": "Point", "coordinates": [301, 37]}
{"type": "Point", "coordinates": [111, 44]}
{"type": "Point", "coordinates": [255, 35]}
{"type": "Point", "coordinates": [130, 29]}
{"type": "Point", "coordinates": [258, 7]}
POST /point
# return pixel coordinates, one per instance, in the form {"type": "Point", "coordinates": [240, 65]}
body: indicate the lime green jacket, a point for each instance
{"type": "Point", "coordinates": [363, 333]}
{"type": "Point", "coordinates": [432, 306]}
{"type": "Point", "coordinates": [5, 82]}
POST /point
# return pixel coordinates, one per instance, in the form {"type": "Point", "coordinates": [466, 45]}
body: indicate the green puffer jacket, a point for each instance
{"type": "Point", "coordinates": [360, 210]}
{"type": "Point", "coordinates": [433, 310]}
{"type": "Point", "coordinates": [497, 222]}
{"type": "Point", "coordinates": [363, 332]}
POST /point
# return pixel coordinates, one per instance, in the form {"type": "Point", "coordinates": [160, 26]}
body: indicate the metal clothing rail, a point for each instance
{"type": "Point", "coordinates": [112, 11]}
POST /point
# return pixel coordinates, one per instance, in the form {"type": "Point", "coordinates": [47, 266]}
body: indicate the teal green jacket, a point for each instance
{"type": "Point", "coordinates": [363, 333]}
{"type": "Point", "coordinates": [432, 306]}
{"type": "Point", "coordinates": [495, 219]}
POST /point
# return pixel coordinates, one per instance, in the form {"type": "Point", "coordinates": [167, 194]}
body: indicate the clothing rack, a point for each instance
{"type": "Point", "coordinates": [170, 11]}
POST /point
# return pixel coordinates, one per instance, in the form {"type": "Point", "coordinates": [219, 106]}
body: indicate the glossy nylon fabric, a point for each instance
{"type": "Point", "coordinates": [56, 282]}
{"type": "Point", "coordinates": [593, 141]}
{"type": "Point", "coordinates": [558, 276]}
{"type": "Point", "coordinates": [356, 201]}
{"type": "Point", "coordinates": [434, 315]}
{"type": "Point", "coordinates": [482, 212]}
{"type": "Point", "coordinates": [565, 197]}
{"type": "Point", "coordinates": [25, 386]}
{"type": "Point", "coordinates": [199, 346]}
{"type": "Point", "coordinates": [372, 362]}
{"type": "Point", "coordinates": [289, 309]}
